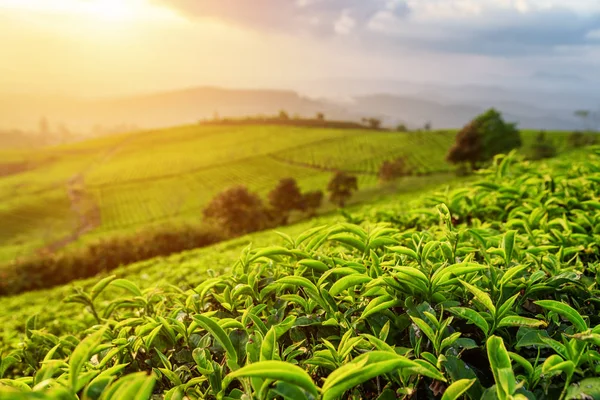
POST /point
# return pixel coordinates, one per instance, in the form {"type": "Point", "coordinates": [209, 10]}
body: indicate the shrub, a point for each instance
{"type": "Point", "coordinates": [468, 147]}
{"type": "Point", "coordinates": [311, 201]}
{"type": "Point", "coordinates": [238, 211]}
{"type": "Point", "coordinates": [483, 138]}
{"type": "Point", "coordinates": [394, 169]}
{"type": "Point", "coordinates": [48, 270]}
{"type": "Point", "coordinates": [285, 198]}
{"type": "Point", "coordinates": [341, 187]}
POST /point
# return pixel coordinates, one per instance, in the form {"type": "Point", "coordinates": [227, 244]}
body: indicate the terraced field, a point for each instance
{"type": "Point", "coordinates": [144, 178]}
{"type": "Point", "coordinates": [365, 153]}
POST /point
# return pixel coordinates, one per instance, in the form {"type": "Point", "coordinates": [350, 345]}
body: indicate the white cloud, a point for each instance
{"type": "Point", "coordinates": [593, 34]}
{"type": "Point", "coordinates": [345, 23]}
{"type": "Point", "coordinates": [488, 27]}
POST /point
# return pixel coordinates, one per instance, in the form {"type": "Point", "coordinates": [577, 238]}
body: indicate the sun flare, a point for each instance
{"type": "Point", "coordinates": [102, 10]}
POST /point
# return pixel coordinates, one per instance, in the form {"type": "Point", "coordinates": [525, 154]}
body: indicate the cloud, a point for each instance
{"type": "Point", "coordinates": [321, 17]}
{"type": "Point", "coordinates": [345, 23]}
{"type": "Point", "coordinates": [488, 27]}
{"type": "Point", "coordinates": [593, 34]}
{"type": "Point", "coordinates": [501, 27]}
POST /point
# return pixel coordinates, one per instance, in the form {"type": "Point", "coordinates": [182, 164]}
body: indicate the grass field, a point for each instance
{"type": "Point", "coordinates": [493, 295]}
{"type": "Point", "coordinates": [144, 178]}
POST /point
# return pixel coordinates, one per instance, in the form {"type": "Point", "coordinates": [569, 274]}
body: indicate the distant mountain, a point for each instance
{"type": "Point", "coordinates": [443, 106]}
{"type": "Point", "coordinates": [159, 109]}
{"type": "Point", "coordinates": [543, 90]}
{"type": "Point", "coordinates": [416, 112]}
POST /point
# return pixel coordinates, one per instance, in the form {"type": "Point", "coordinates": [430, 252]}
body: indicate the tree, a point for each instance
{"type": "Point", "coordinates": [285, 198]}
{"type": "Point", "coordinates": [311, 201]}
{"type": "Point", "coordinates": [320, 116]}
{"type": "Point", "coordinates": [483, 138]}
{"type": "Point", "coordinates": [374, 123]}
{"type": "Point", "coordinates": [341, 187]}
{"type": "Point", "coordinates": [542, 147]}
{"type": "Point", "coordinates": [238, 211]}
{"type": "Point", "coordinates": [394, 169]}
{"type": "Point", "coordinates": [283, 115]}
{"type": "Point", "coordinates": [427, 126]}
{"type": "Point", "coordinates": [467, 148]}
{"type": "Point", "coordinates": [401, 128]}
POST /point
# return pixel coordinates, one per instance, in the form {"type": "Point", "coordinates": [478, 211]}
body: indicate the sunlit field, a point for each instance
{"type": "Point", "coordinates": [299, 200]}
{"type": "Point", "coordinates": [497, 269]}
{"type": "Point", "coordinates": [146, 178]}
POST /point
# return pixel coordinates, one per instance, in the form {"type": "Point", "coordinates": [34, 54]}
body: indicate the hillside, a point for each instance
{"type": "Point", "coordinates": [129, 181]}
{"type": "Point", "coordinates": [451, 295]}
{"type": "Point", "coordinates": [121, 183]}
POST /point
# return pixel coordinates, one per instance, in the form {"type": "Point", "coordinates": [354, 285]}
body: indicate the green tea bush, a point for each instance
{"type": "Point", "coordinates": [486, 292]}
{"type": "Point", "coordinates": [49, 270]}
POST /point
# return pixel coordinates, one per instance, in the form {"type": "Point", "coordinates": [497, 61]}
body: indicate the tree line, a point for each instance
{"type": "Point", "coordinates": [283, 118]}
{"type": "Point", "coordinates": [238, 211]}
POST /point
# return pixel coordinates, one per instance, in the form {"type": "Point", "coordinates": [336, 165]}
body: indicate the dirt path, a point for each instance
{"type": "Point", "coordinates": [83, 204]}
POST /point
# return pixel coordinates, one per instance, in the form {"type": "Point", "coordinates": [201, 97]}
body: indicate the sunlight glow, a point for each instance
{"type": "Point", "coordinates": [103, 10]}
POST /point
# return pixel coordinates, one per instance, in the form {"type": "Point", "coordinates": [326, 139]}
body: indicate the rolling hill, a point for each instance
{"type": "Point", "coordinates": [102, 187]}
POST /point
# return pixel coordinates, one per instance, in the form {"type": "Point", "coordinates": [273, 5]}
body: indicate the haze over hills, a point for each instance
{"type": "Point", "coordinates": [409, 103]}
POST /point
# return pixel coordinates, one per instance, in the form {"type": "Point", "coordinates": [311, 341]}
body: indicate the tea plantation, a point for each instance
{"type": "Point", "coordinates": [117, 184]}
{"type": "Point", "coordinates": [487, 290]}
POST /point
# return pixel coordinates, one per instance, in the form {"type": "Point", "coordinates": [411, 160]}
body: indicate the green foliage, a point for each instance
{"type": "Point", "coordinates": [487, 291]}
{"type": "Point", "coordinates": [483, 138]}
{"type": "Point", "coordinates": [497, 136]}
{"type": "Point", "coordinates": [579, 139]}
{"type": "Point", "coordinates": [135, 181]}
{"type": "Point", "coordinates": [45, 271]}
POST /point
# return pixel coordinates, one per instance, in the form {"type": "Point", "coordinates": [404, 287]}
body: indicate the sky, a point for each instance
{"type": "Point", "coordinates": [114, 47]}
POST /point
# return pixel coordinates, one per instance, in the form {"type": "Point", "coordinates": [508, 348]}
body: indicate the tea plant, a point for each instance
{"type": "Point", "coordinates": [487, 292]}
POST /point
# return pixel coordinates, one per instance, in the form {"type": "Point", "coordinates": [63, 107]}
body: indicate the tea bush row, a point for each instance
{"type": "Point", "coordinates": [493, 293]}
